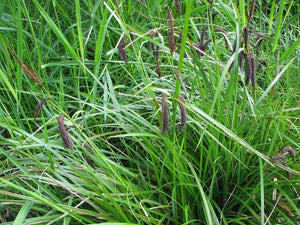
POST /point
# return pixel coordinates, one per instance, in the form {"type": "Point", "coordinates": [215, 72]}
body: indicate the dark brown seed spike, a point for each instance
{"type": "Point", "coordinates": [258, 42]}
{"type": "Point", "coordinates": [39, 107]}
{"type": "Point", "coordinates": [198, 52]}
{"type": "Point", "coordinates": [245, 36]}
{"type": "Point", "coordinates": [253, 77]}
{"type": "Point", "coordinates": [225, 35]}
{"type": "Point", "coordinates": [34, 75]}
{"type": "Point", "coordinates": [183, 112]}
{"type": "Point", "coordinates": [214, 16]}
{"type": "Point", "coordinates": [88, 146]}
{"type": "Point", "coordinates": [242, 58]}
{"type": "Point", "coordinates": [283, 162]}
{"type": "Point", "coordinates": [68, 143]}
{"type": "Point", "coordinates": [177, 4]}
{"type": "Point", "coordinates": [252, 9]}
{"type": "Point", "coordinates": [202, 36]}
{"type": "Point", "coordinates": [234, 45]}
{"type": "Point", "coordinates": [88, 159]}
{"type": "Point", "coordinates": [261, 35]}
{"type": "Point", "coordinates": [25, 69]}
{"type": "Point", "coordinates": [204, 47]}
{"type": "Point", "coordinates": [171, 32]}
{"type": "Point", "coordinates": [291, 151]}
{"type": "Point", "coordinates": [249, 67]}
{"type": "Point", "coordinates": [182, 85]}
{"type": "Point", "coordinates": [164, 115]}
{"type": "Point", "coordinates": [131, 36]}
{"type": "Point", "coordinates": [121, 49]}
{"type": "Point", "coordinates": [158, 69]}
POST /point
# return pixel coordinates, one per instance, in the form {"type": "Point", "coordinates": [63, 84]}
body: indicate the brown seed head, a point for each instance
{"type": "Point", "coordinates": [158, 69]}
{"type": "Point", "coordinates": [68, 143]}
{"type": "Point", "coordinates": [177, 4]}
{"type": "Point", "coordinates": [183, 112]}
{"type": "Point", "coordinates": [291, 151]}
{"type": "Point", "coordinates": [171, 32]}
{"type": "Point", "coordinates": [182, 85]}
{"type": "Point", "coordinates": [39, 107]}
{"type": "Point", "coordinates": [121, 49]}
{"type": "Point", "coordinates": [249, 67]}
{"type": "Point", "coordinates": [164, 115]}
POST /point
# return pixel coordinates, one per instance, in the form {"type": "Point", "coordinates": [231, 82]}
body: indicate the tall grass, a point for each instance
{"type": "Point", "coordinates": [217, 168]}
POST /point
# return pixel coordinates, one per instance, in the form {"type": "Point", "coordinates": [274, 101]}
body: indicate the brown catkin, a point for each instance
{"type": "Point", "coordinates": [252, 9]}
{"type": "Point", "coordinates": [171, 32]}
{"type": "Point", "coordinates": [30, 72]}
{"type": "Point", "coordinates": [249, 67]}
{"type": "Point", "coordinates": [182, 85]}
{"type": "Point", "coordinates": [245, 32]}
{"type": "Point", "coordinates": [131, 35]}
{"type": "Point", "coordinates": [183, 112]}
{"type": "Point", "coordinates": [164, 115]}
{"type": "Point", "coordinates": [202, 36]}
{"type": "Point", "coordinates": [253, 77]}
{"type": "Point", "coordinates": [64, 133]}
{"type": "Point", "coordinates": [242, 58]}
{"type": "Point", "coordinates": [204, 47]}
{"type": "Point", "coordinates": [158, 69]}
{"type": "Point", "coordinates": [291, 151]}
{"type": "Point", "coordinates": [225, 36]}
{"type": "Point", "coordinates": [39, 107]}
{"type": "Point", "coordinates": [177, 4]}
{"type": "Point", "coordinates": [121, 49]}
{"type": "Point", "coordinates": [87, 158]}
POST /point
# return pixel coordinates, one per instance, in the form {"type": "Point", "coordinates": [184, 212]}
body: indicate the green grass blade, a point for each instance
{"type": "Point", "coordinates": [23, 213]}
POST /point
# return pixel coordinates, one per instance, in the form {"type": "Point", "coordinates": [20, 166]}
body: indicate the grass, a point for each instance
{"type": "Point", "coordinates": [220, 169]}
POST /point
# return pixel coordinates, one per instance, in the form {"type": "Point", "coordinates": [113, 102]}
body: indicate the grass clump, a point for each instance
{"type": "Point", "coordinates": [101, 132]}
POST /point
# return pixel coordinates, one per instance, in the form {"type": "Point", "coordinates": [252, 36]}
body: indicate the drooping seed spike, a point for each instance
{"type": "Point", "coordinates": [252, 9]}
{"type": "Point", "coordinates": [291, 151]}
{"type": "Point", "coordinates": [225, 35]}
{"type": "Point", "coordinates": [164, 115]}
{"type": "Point", "coordinates": [245, 32]}
{"type": "Point", "coordinates": [68, 143]}
{"type": "Point", "coordinates": [249, 67]}
{"type": "Point", "coordinates": [39, 107]}
{"type": "Point", "coordinates": [30, 72]}
{"type": "Point", "coordinates": [242, 59]}
{"type": "Point", "coordinates": [182, 112]}
{"type": "Point", "coordinates": [202, 36]}
{"type": "Point", "coordinates": [158, 69]}
{"type": "Point", "coordinates": [177, 4]}
{"type": "Point", "coordinates": [122, 51]}
{"type": "Point", "coordinates": [253, 77]}
{"type": "Point", "coordinates": [171, 33]}
{"type": "Point", "coordinates": [204, 47]}
{"type": "Point", "coordinates": [182, 85]}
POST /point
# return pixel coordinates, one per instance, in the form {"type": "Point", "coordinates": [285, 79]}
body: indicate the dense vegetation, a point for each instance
{"type": "Point", "coordinates": [149, 112]}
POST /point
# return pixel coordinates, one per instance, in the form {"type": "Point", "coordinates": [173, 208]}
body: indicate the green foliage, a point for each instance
{"type": "Point", "coordinates": [220, 169]}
